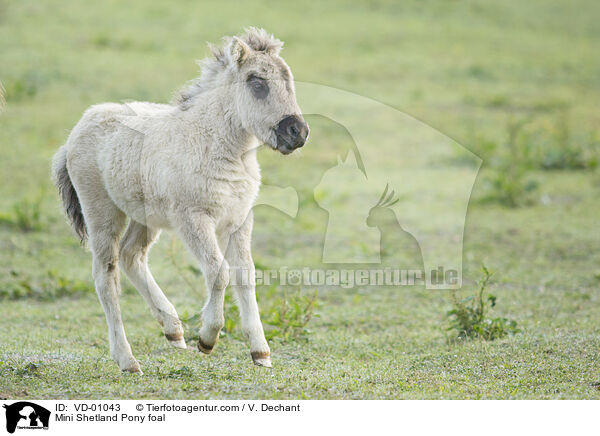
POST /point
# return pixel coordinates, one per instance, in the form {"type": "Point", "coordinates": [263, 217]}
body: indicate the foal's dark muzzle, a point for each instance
{"type": "Point", "coordinates": [291, 133]}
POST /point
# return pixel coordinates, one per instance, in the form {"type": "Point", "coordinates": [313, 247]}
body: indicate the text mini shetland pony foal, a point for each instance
{"type": "Point", "coordinates": [190, 166]}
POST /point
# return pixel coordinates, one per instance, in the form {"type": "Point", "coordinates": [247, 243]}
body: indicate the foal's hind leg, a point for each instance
{"type": "Point", "coordinates": [134, 260]}
{"type": "Point", "coordinates": [105, 223]}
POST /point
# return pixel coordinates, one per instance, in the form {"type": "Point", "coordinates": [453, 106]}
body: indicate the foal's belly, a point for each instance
{"type": "Point", "coordinates": [144, 212]}
{"type": "Point", "coordinates": [141, 206]}
{"type": "Point", "coordinates": [230, 223]}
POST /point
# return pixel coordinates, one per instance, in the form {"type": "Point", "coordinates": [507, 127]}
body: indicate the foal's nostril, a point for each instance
{"type": "Point", "coordinates": [293, 131]}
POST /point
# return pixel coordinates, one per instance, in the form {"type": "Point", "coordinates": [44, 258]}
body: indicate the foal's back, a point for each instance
{"type": "Point", "coordinates": [109, 150]}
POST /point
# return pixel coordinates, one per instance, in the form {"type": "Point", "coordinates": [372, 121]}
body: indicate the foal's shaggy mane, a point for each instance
{"type": "Point", "coordinates": [257, 40]}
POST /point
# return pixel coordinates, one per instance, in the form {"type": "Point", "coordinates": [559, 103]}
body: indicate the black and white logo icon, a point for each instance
{"type": "Point", "coordinates": [26, 415]}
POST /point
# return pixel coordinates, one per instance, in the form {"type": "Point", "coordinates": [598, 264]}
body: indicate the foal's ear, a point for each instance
{"type": "Point", "coordinates": [238, 51]}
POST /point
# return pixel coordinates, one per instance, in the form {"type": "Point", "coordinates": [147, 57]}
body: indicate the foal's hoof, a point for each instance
{"type": "Point", "coordinates": [206, 349]}
{"type": "Point", "coordinates": [262, 358]}
{"type": "Point", "coordinates": [135, 368]}
{"type": "Point", "coordinates": [176, 340]}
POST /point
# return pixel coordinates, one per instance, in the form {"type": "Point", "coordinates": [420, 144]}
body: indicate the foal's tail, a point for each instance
{"type": "Point", "coordinates": [62, 180]}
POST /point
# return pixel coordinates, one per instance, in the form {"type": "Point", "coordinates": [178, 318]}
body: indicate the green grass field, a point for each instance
{"type": "Point", "coordinates": [473, 70]}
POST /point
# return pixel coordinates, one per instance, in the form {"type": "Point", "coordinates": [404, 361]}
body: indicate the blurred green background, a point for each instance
{"type": "Point", "coordinates": [515, 82]}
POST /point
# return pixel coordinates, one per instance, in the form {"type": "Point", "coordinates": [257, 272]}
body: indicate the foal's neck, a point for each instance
{"type": "Point", "coordinates": [214, 110]}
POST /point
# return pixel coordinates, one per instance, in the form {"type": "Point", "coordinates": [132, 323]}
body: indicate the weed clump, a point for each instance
{"type": "Point", "coordinates": [48, 287]}
{"type": "Point", "coordinates": [24, 87]}
{"type": "Point", "coordinates": [507, 181]}
{"type": "Point", "coordinates": [469, 317]}
{"type": "Point", "coordinates": [286, 317]}
{"type": "Point", "coordinates": [533, 145]}
{"type": "Point", "coordinates": [289, 315]}
{"type": "Point", "coordinates": [25, 215]}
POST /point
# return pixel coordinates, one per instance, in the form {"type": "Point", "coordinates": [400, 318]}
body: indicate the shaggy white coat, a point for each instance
{"type": "Point", "coordinates": [190, 166]}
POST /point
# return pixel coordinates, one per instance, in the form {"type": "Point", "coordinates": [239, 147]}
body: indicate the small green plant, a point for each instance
{"type": "Point", "coordinates": [191, 325]}
{"type": "Point", "coordinates": [533, 145]}
{"type": "Point", "coordinates": [180, 373]}
{"type": "Point", "coordinates": [232, 318]}
{"type": "Point", "coordinates": [557, 148]}
{"type": "Point", "coordinates": [469, 317]}
{"type": "Point", "coordinates": [19, 369]}
{"type": "Point", "coordinates": [509, 186]}
{"type": "Point", "coordinates": [25, 215]}
{"type": "Point", "coordinates": [48, 287]}
{"type": "Point", "coordinates": [507, 181]}
{"type": "Point", "coordinates": [24, 87]}
{"type": "Point", "coordinates": [543, 144]}
{"type": "Point", "coordinates": [289, 315]}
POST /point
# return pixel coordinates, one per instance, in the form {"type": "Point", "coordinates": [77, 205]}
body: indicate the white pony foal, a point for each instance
{"type": "Point", "coordinates": [190, 166]}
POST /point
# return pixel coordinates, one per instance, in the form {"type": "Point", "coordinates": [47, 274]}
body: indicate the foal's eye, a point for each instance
{"type": "Point", "coordinates": [258, 86]}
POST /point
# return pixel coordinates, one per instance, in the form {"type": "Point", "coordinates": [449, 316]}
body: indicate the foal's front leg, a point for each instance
{"type": "Point", "coordinates": [198, 232]}
{"type": "Point", "coordinates": [243, 285]}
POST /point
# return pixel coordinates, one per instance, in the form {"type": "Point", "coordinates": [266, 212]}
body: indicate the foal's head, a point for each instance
{"type": "Point", "coordinates": [261, 86]}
